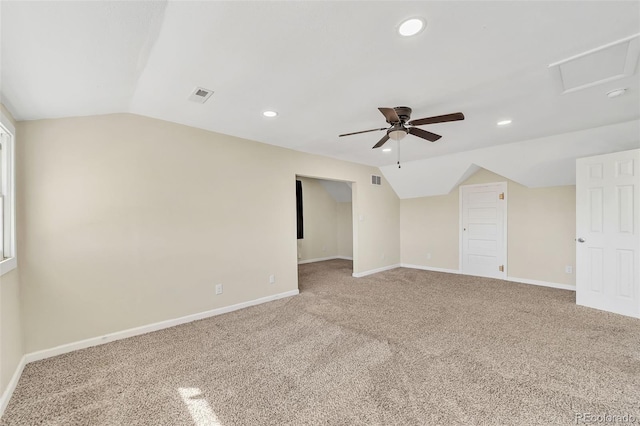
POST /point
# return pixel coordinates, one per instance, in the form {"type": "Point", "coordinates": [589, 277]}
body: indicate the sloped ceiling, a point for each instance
{"type": "Point", "coordinates": [339, 191]}
{"type": "Point", "coordinates": [63, 59]}
{"type": "Point", "coordinates": [548, 161]}
{"type": "Point", "coordinates": [326, 67]}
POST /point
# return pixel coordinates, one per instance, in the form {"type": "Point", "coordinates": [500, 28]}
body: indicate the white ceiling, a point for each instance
{"type": "Point", "coordinates": [325, 67]}
{"type": "Point", "coordinates": [62, 59]}
{"type": "Point", "coordinates": [546, 161]}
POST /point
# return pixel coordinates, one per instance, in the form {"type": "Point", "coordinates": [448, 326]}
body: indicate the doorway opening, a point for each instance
{"type": "Point", "coordinates": [325, 228]}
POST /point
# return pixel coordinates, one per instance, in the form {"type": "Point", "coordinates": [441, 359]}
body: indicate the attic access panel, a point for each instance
{"type": "Point", "coordinates": [597, 66]}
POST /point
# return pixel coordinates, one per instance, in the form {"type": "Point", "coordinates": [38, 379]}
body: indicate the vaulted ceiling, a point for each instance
{"type": "Point", "coordinates": [326, 67]}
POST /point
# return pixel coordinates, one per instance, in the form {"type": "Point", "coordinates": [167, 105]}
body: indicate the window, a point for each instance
{"type": "Point", "coordinates": [8, 259]}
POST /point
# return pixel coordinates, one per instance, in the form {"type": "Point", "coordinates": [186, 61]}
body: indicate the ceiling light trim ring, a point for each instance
{"type": "Point", "coordinates": [412, 26]}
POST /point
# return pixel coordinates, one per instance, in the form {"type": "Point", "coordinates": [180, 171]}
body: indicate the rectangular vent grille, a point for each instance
{"type": "Point", "coordinates": [200, 95]}
{"type": "Point", "coordinates": [376, 180]}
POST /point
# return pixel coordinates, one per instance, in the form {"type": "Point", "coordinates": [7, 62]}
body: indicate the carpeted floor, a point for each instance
{"type": "Point", "coordinates": [402, 347]}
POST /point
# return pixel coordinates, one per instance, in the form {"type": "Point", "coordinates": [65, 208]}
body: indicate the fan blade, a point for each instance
{"type": "Point", "coordinates": [437, 119]}
{"type": "Point", "coordinates": [431, 137]}
{"type": "Point", "coordinates": [381, 142]}
{"type": "Point", "coordinates": [364, 131]}
{"type": "Point", "coordinates": [390, 114]}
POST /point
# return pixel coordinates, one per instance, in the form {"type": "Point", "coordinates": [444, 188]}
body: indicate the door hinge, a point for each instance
{"type": "Point", "coordinates": [501, 196]}
{"type": "Point", "coordinates": [501, 268]}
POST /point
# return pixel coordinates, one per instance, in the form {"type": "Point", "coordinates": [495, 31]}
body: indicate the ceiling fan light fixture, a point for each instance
{"type": "Point", "coordinates": [398, 134]}
{"type": "Point", "coordinates": [386, 149]}
{"type": "Point", "coordinates": [399, 117]}
{"type": "Point", "coordinates": [411, 27]}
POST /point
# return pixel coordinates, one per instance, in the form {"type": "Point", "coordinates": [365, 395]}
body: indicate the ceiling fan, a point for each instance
{"type": "Point", "coordinates": [398, 118]}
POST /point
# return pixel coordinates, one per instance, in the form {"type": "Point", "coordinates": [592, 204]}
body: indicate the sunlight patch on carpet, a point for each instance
{"type": "Point", "coordinates": [199, 408]}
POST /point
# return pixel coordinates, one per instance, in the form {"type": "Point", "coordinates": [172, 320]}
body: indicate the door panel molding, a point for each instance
{"type": "Point", "coordinates": [607, 235]}
{"type": "Point", "coordinates": [482, 243]}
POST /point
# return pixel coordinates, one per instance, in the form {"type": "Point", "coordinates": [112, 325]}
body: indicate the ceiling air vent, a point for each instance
{"type": "Point", "coordinates": [376, 180]}
{"type": "Point", "coordinates": [200, 95]}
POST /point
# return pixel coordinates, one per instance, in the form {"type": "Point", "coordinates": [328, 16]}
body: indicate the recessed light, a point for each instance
{"type": "Point", "coordinates": [616, 92]}
{"type": "Point", "coordinates": [270, 114]}
{"type": "Point", "coordinates": [411, 27]}
{"type": "Point", "coordinates": [503, 122]}
{"type": "Point", "coordinates": [386, 149]}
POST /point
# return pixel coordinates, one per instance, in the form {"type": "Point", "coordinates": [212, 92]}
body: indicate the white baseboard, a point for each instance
{"type": "Point", "coordinates": [511, 279]}
{"type": "Point", "coordinates": [430, 268]}
{"type": "Point", "coordinates": [374, 271]}
{"type": "Point", "coordinates": [94, 341]}
{"type": "Point", "coordinates": [6, 395]}
{"type": "Point", "coordinates": [322, 259]}
{"type": "Point", "coordinates": [541, 283]}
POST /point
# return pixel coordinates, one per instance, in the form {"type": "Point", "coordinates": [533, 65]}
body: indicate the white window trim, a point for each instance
{"type": "Point", "coordinates": [11, 262]}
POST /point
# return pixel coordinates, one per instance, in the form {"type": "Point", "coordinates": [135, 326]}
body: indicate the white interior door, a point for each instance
{"type": "Point", "coordinates": [483, 242]}
{"type": "Point", "coordinates": [608, 243]}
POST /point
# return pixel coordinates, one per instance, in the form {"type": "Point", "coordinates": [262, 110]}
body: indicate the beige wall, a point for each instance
{"type": "Point", "coordinates": [127, 220]}
{"type": "Point", "coordinates": [345, 229]}
{"type": "Point", "coordinates": [540, 227]}
{"type": "Point", "coordinates": [328, 228]}
{"type": "Point", "coordinates": [320, 222]}
{"type": "Point", "coordinates": [429, 227]}
{"type": "Point", "coordinates": [11, 348]}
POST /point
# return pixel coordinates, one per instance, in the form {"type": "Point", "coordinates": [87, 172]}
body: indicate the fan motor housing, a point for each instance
{"type": "Point", "coordinates": [404, 113]}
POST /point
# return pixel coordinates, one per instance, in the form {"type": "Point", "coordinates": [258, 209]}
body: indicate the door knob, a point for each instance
{"type": "Point", "coordinates": [581, 240]}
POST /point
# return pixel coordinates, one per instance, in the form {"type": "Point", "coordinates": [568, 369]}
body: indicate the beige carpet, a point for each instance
{"type": "Point", "coordinates": [403, 347]}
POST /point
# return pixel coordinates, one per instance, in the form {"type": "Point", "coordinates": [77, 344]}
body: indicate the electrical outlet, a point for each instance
{"type": "Point", "coordinates": [428, 256]}
{"type": "Point", "coordinates": [272, 279]}
{"type": "Point", "coordinates": [568, 269]}
{"type": "Point", "coordinates": [218, 288]}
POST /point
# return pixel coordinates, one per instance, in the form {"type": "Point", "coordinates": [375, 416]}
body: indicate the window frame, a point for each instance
{"type": "Point", "coordinates": [7, 157]}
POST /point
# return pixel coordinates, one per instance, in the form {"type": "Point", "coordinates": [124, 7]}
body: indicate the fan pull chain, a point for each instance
{"type": "Point", "coordinates": [398, 154]}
